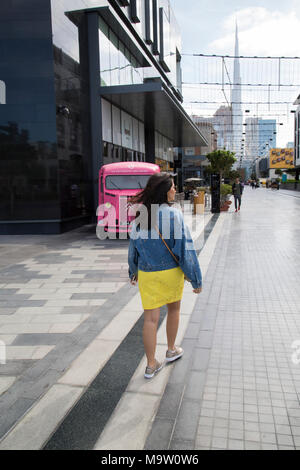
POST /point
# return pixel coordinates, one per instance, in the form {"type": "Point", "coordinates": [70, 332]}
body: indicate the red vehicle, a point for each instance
{"type": "Point", "coordinates": [117, 183]}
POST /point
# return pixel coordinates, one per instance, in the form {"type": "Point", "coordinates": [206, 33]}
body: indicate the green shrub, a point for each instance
{"type": "Point", "coordinates": [226, 189]}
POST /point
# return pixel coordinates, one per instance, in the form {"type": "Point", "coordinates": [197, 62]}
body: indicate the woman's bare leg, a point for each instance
{"type": "Point", "coordinates": [151, 318]}
{"type": "Point", "coordinates": [173, 323]}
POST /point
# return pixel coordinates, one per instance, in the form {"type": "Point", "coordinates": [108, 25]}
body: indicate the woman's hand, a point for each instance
{"type": "Point", "coordinates": [197, 291]}
{"type": "Point", "coordinates": [134, 281]}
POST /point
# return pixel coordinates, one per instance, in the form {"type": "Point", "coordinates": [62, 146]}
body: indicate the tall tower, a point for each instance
{"type": "Point", "coordinates": [236, 99]}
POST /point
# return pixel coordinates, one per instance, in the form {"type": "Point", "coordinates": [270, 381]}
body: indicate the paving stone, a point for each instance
{"type": "Point", "coordinates": [91, 295]}
{"type": "Point", "coordinates": [235, 444]}
{"type": "Point", "coordinates": [205, 339]}
{"type": "Point", "coordinates": [219, 443]}
{"type": "Point", "coordinates": [201, 359]}
{"type": "Point", "coordinates": [16, 367]}
{"type": "Point", "coordinates": [220, 432]}
{"type": "Point", "coordinates": [248, 445]}
{"type": "Point", "coordinates": [7, 311]}
{"type": "Point", "coordinates": [268, 438]}
{"type": "Point", "coordinates": [203, 440]}
{"type": "Point", "coordinates": [192, 330]}
{"type": "Point", "coordinates": [36, 339]}
{"type": "Point", "coordinates": [284, 440]}
{"type": "Point", "coordinates": [182, 445]}
{"type": "Point", "coordinates": [13, 414]}
{"type": "Point", "coordinates": [170, 402]}
{"type": "Point", "coordinates": [195, 386]}
{"type": "Point", "coordinates": [187, 421]}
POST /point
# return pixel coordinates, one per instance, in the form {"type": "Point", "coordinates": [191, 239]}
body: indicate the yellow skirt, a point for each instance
{"type": "Point", "coordinates": [158, 288]}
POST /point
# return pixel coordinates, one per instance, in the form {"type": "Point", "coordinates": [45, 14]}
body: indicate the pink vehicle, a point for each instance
{"type": "Point", "coordinates": [117, 183]}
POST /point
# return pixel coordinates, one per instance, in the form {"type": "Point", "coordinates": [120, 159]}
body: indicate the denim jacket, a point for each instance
{"type": "Point", "coordinates": [147, 251]}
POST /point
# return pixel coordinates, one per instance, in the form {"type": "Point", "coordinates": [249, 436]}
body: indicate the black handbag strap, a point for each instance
{"type": "Point", "coordinates": [166, 245]}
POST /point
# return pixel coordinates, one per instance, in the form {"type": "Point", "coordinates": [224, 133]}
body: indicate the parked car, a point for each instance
{"type": "Point", "coordinates": [275, 184]}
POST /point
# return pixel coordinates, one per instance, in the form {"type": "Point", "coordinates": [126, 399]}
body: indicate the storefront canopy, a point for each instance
{"type": "Point", "coordinates": [152, 100]}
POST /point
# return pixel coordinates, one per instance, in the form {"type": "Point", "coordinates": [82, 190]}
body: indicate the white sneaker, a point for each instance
{"type": "Point", "coordinates": [174, 355]}
{"type": "Point", "coordinates": [150, 372]}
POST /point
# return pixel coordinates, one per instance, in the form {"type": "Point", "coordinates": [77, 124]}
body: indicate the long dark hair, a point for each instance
{"type": "Point", "coordinates": [156, 192]}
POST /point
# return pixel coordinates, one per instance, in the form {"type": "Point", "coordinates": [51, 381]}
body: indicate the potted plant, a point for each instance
{"type": "Point", "coordinates": [226, 192]}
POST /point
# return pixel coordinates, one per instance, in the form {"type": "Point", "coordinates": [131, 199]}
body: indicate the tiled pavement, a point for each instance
{"type": "Point", "coordinates": [50, 308]}
{"type": "Point", "coordinates": [236, 387]}
{"type": "Point", "coordinates": [67, 302]}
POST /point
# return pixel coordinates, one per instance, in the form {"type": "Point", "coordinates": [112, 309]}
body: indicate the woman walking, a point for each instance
{"type": "Point", "coordinates": [161, 253]}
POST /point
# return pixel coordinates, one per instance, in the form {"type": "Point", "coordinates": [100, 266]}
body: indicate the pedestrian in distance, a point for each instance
{"type": "Point", "coordinates": [161, 254]}
{"type": "Point", "coordinates": [237, 191]}
{"type": "Point", "coordinates": [252, 184]}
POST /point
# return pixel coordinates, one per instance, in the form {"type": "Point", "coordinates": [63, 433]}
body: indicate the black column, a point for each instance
{"type": "Point", "coordinates": [181, 178]}
{"type": "Point", "coordinates": [90, 71]}
{"type": "Point", "coordinates": [150, 144]}
{"type": "Point", "coordinates": [215, 193]}
{"type": "Point", "coordinates": [149, 129]}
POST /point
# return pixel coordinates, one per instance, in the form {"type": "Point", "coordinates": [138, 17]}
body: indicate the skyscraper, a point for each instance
{"type": "Point", "coordinates": [222, 121]}
{"type": "Point", "coordinates": [267, 135]}
{"type": "Point", "coordinates": [252, 139]}
{"type": "Point", "coordinates": [236, 100]}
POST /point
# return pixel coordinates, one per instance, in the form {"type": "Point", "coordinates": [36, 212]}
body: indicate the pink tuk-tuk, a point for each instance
{"type": "Point", "coordinates": [117, 183]}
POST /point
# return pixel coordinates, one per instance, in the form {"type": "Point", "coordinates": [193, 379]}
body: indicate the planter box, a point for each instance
{"type": "Point", "coordinates": [291, 186]}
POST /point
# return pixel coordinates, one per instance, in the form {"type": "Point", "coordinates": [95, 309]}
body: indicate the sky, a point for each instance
{"type": "Point", "coordinates": [266, 28]}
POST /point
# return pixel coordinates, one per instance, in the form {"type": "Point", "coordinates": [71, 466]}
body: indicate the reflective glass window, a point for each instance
{"type": "Point", "coordinates": [114, 59]}
{"type": "Point", "coordinates": [123, 64]}
{"type": "Point", "coordinates": [117, 65]}
{"type": "Point", "coordinates": [128, 76]}
{"type": "Point", "coordinates": [105, 67]}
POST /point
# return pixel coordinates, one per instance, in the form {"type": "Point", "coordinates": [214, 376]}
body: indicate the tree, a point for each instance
{"type": "Point", "coordinates": [233, 174]}
{"type": "Point", "coordinates": [221, 161]}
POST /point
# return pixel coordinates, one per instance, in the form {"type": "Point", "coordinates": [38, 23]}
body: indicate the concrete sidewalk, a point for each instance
{"type": "Point", "coordinates": [238, 383]}
{"type": "Point", "coordinates": [238, 386]}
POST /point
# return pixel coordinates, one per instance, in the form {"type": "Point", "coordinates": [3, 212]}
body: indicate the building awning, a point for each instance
{"type": "Point", "coordinates": [153, 98]}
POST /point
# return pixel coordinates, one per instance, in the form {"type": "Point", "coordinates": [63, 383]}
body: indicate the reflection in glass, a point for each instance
{"type": "Point", "coordinates": [105, 67]}
{"type": "Point", "coordinates": [72, 153]}
{"type": "Point", "coordinates": [117, 65]}
{"type": "Point", "coordinates": [114, 58]}
{"type": "Point", "coordinates": [2, 92]}
{"type": "Point", "coordinates": [27, 175]}
{"type": "Point", "coordinates": [123, 63]}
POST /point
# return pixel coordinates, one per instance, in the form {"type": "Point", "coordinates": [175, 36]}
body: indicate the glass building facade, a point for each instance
{"type": "Point", "coordinates": [118, 66]}
{"type": "Point", "coordinates": [29, 185]}
{"type": "Point", "coordinates": [267, 135]}
{"type": "Point", "coordinates": [51, 144]}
